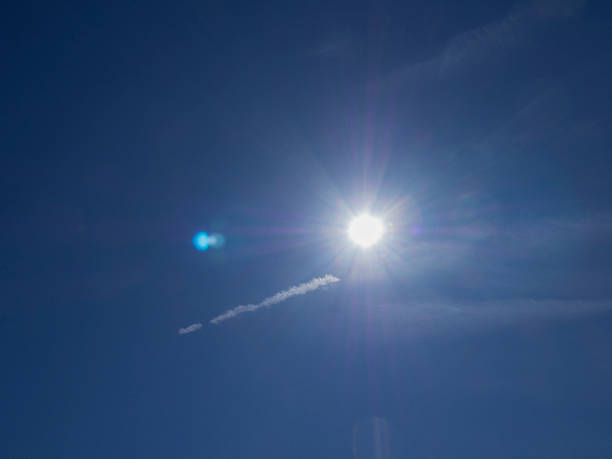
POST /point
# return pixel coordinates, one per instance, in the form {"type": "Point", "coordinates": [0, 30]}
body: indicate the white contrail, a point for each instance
{"type": "Point", "coordinates": [280, 296]}
{"type": "Point", "coordinates": [190, 328]}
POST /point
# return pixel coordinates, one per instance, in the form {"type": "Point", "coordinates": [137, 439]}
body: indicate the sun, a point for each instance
{"type": "Point", "coordinates": [365, 230]}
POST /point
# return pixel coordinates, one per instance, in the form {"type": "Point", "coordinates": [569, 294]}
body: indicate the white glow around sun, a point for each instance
{"type": "Point", "coordinates": [365, 230]}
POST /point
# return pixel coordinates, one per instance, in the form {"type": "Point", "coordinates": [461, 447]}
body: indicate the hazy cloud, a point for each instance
{"type": "Point", "coordinates": [283, 295]}
{"type": "Point", "coordinates": [332, 48]}
{"type": "Point", "coordinates": [558, 7]}
{"type": "Point", "coordinates": [190, 328]}
{"type": "Point", "coordinates": [476, 45]}
{"type": "Point", "coordinates": [512, 309]}
{"type": "Point", "coordinates": [421, 318]}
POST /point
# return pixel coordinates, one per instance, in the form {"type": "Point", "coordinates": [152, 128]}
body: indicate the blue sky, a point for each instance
{"type": "Point", "coordinates": [478, 327]}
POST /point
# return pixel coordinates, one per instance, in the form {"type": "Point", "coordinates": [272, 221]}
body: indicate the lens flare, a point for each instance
{"type": "Point", "coordinates": [216, 240]}
{"type": "Point", "coordinates": [201, 241]}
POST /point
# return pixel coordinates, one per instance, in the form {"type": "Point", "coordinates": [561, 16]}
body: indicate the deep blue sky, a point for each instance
{"type": "Point", "coordinates": [480, 327]}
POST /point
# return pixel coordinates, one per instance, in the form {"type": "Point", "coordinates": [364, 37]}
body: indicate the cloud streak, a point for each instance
{"type": "Point", "coordinates": [190, 328]}
{"type": "Point", "coordinates": [445, 317]}
{"type": "Point", "coordinates": [478, 45]}
{"type": "Point", "coordinates": [279, 297]}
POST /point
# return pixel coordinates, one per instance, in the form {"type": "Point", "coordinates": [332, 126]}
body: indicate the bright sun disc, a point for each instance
{"type": "Point", "coordinates": [365, 230]}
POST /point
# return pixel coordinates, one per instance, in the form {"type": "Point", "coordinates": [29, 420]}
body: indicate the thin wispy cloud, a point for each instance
{"type": "Point", "coordinates": [190, 328]}
{"type": "Point", "coordinates": [431, 317]}
{"type": "Point", "coordinates": [279, 297]}
{"type": "Point", "coordinates": [332, 48]}
{"type": "Point", "coordinates": [477, 45]}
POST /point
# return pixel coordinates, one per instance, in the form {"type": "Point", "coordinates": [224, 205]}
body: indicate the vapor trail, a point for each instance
{"type": "Point", "coordinates": [190, 328]}
{"type": "Point", "coordinates": [283, 295]}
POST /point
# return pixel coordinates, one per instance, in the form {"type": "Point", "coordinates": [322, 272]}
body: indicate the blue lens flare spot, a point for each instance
{"type": "Point", "coordinates": [201, 241]}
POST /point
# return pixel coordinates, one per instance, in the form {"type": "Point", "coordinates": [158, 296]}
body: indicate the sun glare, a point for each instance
{"type": "Point", "coordinates": [365, 230]}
